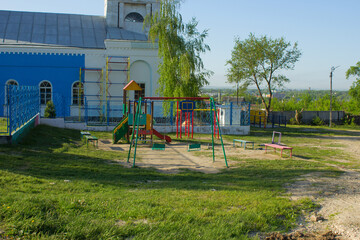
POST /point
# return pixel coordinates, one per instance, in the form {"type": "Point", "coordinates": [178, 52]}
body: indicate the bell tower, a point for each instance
{"type": "Point", "coordinates": [129, 14]}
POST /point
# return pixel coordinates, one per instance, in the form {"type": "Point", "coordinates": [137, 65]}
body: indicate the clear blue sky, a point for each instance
{"type": "Point", "coordinates": [327, 31]}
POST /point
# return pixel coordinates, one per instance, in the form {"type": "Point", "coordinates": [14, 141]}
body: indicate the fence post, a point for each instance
{"type": "Point", "coordinates": [249, 120]}
{"type": "Point", "coordinates": [231, 113]}
{"type": "Point", "coordinates": [86, 111]}
{"type": "Point", "coordinates": [9, 108]}
{"type": "Point", "coordinates": [259, 121]}
{"type": "Point", "coordinates": [279, 121]}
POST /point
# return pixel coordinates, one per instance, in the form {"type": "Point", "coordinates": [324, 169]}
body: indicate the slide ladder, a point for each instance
{"type": "Point", "coordinates": [121, 129]}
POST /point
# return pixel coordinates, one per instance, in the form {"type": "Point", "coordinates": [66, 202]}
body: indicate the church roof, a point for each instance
{"type": "Point", "coordinates": [54, 29]}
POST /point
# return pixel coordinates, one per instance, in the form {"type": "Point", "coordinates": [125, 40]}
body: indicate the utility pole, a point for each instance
{"type": "Point", "coordinates": [237, 93]}
{"type": "Point", "coordinates": [331, 77]}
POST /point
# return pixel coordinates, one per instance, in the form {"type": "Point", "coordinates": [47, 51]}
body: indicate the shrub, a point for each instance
{"type": "Point", "coordinates": [50, 110]}
{"type": "Point", "coordinates": [317, 121]}
{"type": "Point", "coordinates": [293, 121]}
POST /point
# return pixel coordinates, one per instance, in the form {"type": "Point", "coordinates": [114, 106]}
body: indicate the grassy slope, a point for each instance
{"type": "Point", "coordinates": [107, 201]}
{"type": "Point", "coordinates": [3, 126]}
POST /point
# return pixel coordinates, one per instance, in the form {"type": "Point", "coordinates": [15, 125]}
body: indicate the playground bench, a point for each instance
{"type": "Point", "coordinates": [277, 146]}
{"type": "Point", "coordinates": [194, 147]}
{"type": "Point", "coordinates": [92, 139]}
{"type": "Point", "coordinates": [242, 142]}
{"type": "Point", "coordinates": [158, 146]}
{"type": "Point", "coordinates": [84, 134]}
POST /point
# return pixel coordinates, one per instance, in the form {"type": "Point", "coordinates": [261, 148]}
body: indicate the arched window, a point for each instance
{"type": "Point", "coordinates": [134, 17]}
{"type": "Point", "coordinates": [45, 92]}
{"type": "Point", "coordinates": [78, 93]}
{"type": "Point", "coordinates": [10, 82]}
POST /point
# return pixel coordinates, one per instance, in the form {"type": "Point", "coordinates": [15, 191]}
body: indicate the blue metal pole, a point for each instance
{"type": "Point", "coordinates": [108, 112]}
{"type": "Point", "coordinates": [249, 113]}
{"type": "Point", "coordinates": [231, 113]}
{"type": "Point", "coordinates": [86, 111]}
{"type": "Point", "coordinates": [279, 121]}
{"type": "Point", "coordinates": [260, 122]}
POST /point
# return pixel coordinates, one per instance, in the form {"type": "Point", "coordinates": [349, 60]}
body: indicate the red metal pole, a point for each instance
{"type": "Point", "coordinates": [188, 124]}
{"type": "Point", "coordinates": [180, 123]}
{"type": "Point", "coordinates": [192, 125]}
{"type": "Point", "coordinates": [177, 119]}
{"type": "Point", "coordinates": [185, 121]}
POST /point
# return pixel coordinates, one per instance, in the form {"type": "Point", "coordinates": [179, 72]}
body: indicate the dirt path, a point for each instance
{"type": "Point", "coordinates": [339, 197]}
{"type": "Point", "coordinates": [172, 160]}
{"type": "Point", "coordinates": [175, 158]}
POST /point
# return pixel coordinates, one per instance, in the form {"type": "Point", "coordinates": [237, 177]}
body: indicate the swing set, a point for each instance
{"type": "Point", "coordinates": [185, 111]}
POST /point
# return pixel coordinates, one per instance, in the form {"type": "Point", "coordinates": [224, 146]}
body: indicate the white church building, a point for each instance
{"type": "Point", "coordinates": [80, 62]}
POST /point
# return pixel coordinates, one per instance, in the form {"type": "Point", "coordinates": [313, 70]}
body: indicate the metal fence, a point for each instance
{"type": "Point", "coordinates": [235, 114]}
{"type": "Point", "coordinates": [229, 115]}
{"type": "Point", "coordinates": [262, 120]}
{"type": "Point", "coordinates": [110, 112]}
{"type": "Point", "coordinates": [22, 104]}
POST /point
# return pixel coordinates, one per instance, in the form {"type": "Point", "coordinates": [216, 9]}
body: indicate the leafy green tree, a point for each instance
{"type": "Point", "coordinates": [50, 111]}
{"type": "Point", "coordinates": [354, 92]}
{"type": "Point", "coordinates": [181, 68]}
{"type": "Point", "coordinates": [257, 61]}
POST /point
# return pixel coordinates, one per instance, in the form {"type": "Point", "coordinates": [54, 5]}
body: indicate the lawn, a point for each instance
{"type": "Point", "coordinates": [3, 126]}
{"type": "Point", "coordinates": [53, 187]}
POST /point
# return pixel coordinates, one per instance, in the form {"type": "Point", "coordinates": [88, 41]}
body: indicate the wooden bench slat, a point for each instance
{"type": "Point", "coordinates": [277, 146]}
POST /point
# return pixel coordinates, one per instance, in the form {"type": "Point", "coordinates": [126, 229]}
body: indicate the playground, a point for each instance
{"type": "Point", "coordinates": [104, 196]}
{"type": "Point", "coordinates": [148, 179]}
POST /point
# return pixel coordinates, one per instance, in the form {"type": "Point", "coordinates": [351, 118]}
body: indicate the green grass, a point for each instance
{"type": "Point", "coordinates": [3, 126]}
{"type": "Point", "coordinates": [53, 187]}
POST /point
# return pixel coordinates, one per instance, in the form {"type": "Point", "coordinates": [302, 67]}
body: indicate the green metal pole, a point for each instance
{"type": "Point", "coordinates": [212, 127]}
{"type": "Point", "coordinates": [222, 143]}
{"type": "Point", "coordinates": [132, 135]}
{"type": "Point", "coordinates": [137, 131]}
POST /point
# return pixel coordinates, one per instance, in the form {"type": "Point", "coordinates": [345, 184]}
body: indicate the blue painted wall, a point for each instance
{"type": "Point", "coordinates": [60, 70]}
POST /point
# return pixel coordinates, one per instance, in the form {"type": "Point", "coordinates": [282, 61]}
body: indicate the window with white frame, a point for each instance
{"type": "Point", "coordinates": [45, 92]}
{"type": "Point", "coordinates": [78, 93]}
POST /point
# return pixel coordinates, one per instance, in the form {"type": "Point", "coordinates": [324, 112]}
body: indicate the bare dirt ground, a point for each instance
{"type": "Point", "coordinates": [339, 198]}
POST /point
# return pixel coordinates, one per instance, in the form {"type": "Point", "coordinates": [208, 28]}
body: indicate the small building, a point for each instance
{"type": "Point", "coordinates": [80, 62]}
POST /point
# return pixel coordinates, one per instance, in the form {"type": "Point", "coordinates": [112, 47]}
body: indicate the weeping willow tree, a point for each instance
{"type": "Point", "coordinates": [181, 68]}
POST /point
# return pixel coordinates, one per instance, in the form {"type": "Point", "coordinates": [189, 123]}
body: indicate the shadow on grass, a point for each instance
{"type": "Point", "coordinates": [46, 153]}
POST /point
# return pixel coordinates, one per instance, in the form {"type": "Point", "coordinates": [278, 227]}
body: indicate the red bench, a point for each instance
{"type": "Point", "coordinates": [277, 146]}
